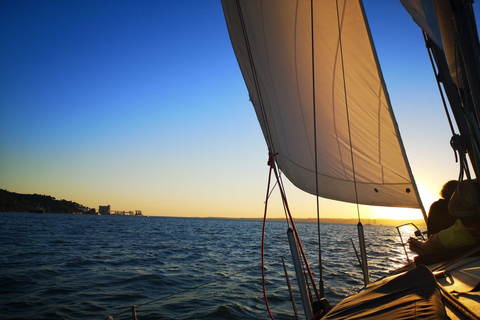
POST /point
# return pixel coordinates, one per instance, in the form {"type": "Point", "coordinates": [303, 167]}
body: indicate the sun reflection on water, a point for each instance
{"type": "Point", "coordinates": [399, 253]}
{"type": "Point", "coordinates": [396, 213]}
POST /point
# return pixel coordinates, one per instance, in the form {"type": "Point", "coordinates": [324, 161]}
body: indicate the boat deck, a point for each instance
{"type": "Point", "coordinates": [458, 275]}
{"type": "Point", "coordinates": [462, 281]}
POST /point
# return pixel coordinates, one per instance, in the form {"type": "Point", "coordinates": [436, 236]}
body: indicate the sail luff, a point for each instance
{"type": "Point", "coordinates": [261, 112]}
{"type": "Point", "coordinates": [392, 115]}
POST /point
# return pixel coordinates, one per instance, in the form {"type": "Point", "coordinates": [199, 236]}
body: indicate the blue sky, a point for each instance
{"type": "Point", "coordinates": [141, 105]}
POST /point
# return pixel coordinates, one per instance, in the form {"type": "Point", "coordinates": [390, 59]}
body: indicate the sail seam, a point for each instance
{"type": "Point", "coordinates": [379, 134]}
{"type": "Point", "coordinates": [337, 49]}
{"type": "Point", "coordinates": [299, 97]}
{"type": "Point", "coordinates": [346, 106]}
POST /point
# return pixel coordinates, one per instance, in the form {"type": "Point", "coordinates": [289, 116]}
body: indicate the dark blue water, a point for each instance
{"type": "Point", "coordinates": [59, 266]}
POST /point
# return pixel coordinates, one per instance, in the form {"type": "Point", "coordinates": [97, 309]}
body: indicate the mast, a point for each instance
{"type": "Point", "coordinates": [468, 46]}
{"type": "Point", "coordinates": [452, 38]}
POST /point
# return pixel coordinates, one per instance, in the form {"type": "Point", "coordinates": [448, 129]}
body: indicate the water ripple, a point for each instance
{"type": "Point", "coordinates": [86, 267]}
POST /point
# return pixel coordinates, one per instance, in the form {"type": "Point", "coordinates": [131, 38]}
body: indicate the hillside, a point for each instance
{"type": "Point", "coordinates": [16, 202]}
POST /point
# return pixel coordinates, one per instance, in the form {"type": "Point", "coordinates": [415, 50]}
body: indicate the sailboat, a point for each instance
{"type": "Point", "coordinates": [315, 82]}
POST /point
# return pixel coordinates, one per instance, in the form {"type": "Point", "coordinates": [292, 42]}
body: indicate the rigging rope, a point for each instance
{"type": "Point", "coordinates": [273, 169]}
{"type": "Point", "coordinates": [346, 107]}
{"type": "Point", "coordinates": [294, 228]}
{"type": "Point", "coordinates": [263, 240]}
{"type": "Point", "coordinates": [271, 159]}
{"type": "Point", "coordinates": [271, 150]}
{"type": "Point", "coordinates": [456, 142]}
{"type": "Point", "coordinates": [361, 237]}
{"type": "Point", "coordinates": [255, 79]}
{"type": "Point", "coordinates": [320, 265]}
{"type": "Point", "coordinates": [437, 75]}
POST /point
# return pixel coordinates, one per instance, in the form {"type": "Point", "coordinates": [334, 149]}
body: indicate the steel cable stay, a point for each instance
{"type": "Point", "coordinates": [273, 170]}
{"type": "Point", "coordinates": [361, 237]}
{"type": "Point", "coordinates": [253, 70]}
{"type": "Point", "coordinates": [457, 142]}
{"type": "Point", "coordinates": [320, 265]}
{"type": "Point", "coordinates": [264, 120]}
{"type": "Point", "coordinates": [436, 71]}
{"type": "Point", "coordinates": [263, 238]}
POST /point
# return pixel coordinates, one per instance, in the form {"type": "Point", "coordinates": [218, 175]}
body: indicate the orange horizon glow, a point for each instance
{"type": "Point", "coordinates": [172, 132]}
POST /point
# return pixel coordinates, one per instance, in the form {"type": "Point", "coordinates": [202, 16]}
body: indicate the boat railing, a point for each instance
{"type": "Point", "coordinates": [418, 233]}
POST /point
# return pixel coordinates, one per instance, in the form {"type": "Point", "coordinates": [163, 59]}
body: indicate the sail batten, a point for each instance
{"type": "Point", "coordinates": [359, 149]}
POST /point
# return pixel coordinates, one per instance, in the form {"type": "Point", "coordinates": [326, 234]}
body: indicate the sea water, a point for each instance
{"type": "Point", "coordinates": [63, 266]}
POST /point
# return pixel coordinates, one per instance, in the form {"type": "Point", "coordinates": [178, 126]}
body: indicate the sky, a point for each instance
{"type": "Point", "coordinates": [141, 105]}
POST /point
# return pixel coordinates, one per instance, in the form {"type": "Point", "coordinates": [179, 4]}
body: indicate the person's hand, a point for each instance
{"type": "Point", "coordinates": [414, 244]}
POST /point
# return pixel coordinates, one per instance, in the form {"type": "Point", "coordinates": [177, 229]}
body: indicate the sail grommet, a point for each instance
{"type": "Point", "coordinates": [408, 190]}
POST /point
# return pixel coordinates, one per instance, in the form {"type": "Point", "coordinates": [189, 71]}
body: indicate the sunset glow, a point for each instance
{"type": "Point", "coordinates": [143, 107]}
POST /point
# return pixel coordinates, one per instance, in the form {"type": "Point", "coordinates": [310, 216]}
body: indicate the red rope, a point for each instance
{"type": "Point", "coordinates": [271, 163]}
{"type": "Point", "coordinates": [263, 246]}
{"type": "Point", "coordinates": [294, 229]}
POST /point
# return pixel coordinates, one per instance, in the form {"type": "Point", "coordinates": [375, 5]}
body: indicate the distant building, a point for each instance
{"type": "Point", "coordinates": [82, 209]}
{"type": "Point", "coordinates": [104, 209]}
{"type": "Point", "coordinates": [91, 211]}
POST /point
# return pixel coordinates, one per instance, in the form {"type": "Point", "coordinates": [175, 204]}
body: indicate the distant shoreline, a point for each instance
{"type": "Point", "coordinates": [380, 222]}
{"type": "Point", "coordinates": [384, 222]}
{"type": "Point", "coordinates": [15, 202]}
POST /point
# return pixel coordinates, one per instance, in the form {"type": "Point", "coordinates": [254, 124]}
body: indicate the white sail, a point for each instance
{"type": "Point", "coordinates": [359, 152]}
{"type": "Point", "coordinates": [423, 13]}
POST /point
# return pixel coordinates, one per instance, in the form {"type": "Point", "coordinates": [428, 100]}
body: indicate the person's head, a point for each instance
{"type": "Point", "coordinates": [448, 189]}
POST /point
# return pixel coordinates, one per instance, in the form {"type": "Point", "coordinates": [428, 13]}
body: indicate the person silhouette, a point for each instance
{"type": "Point", "coordinates": [466, 229]}
{"type": "Point", "coordinates": [438, 216]}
